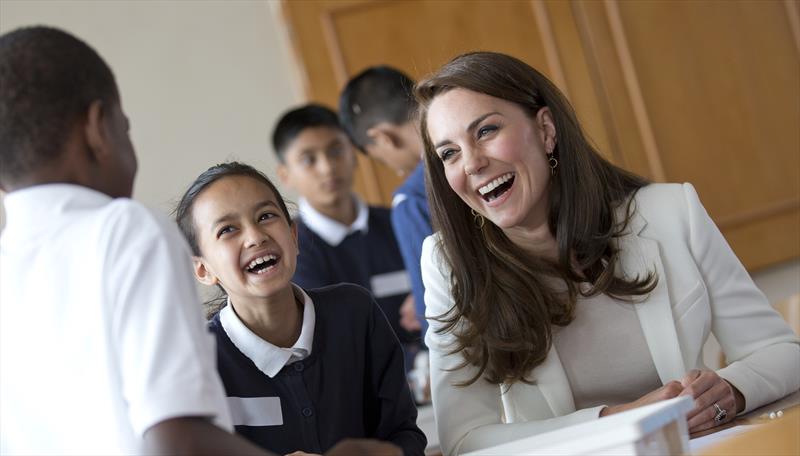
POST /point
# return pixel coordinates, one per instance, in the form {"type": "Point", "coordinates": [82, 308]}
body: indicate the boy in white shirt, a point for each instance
{"type": "Point", "coordinates": [103, 349]}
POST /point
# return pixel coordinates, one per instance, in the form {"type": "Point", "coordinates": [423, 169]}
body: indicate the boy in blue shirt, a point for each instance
{"type": "Point", "coordinates": [341, 238]}
{"type": "Point", "coordinates": [377, 111]}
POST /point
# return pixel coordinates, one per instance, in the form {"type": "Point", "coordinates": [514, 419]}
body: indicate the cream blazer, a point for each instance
{"type": "Point", "coordinates": [702, 288]}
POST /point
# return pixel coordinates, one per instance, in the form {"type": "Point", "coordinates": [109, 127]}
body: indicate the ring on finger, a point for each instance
{"type": "Point", "coordinates": [721, 413]}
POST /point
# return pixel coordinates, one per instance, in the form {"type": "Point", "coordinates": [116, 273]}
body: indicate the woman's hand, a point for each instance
{"type": "Point", "coordinates": [709, 389]}
{"type": "Point", "coordinates": [668, 391]}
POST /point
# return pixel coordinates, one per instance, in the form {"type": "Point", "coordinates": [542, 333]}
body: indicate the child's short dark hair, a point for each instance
{"type": "Point", "coordinates": [293, 122]}
{"type": "Point", "coordinates": [48, 79]}
{"type": "Point", "coordinates": [183, 212]}
{"type": "Point", "coordinates": [377, 94]}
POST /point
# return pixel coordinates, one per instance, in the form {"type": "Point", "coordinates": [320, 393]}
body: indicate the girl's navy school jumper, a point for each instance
{"type": "Point", "coordinates": [352, 385]}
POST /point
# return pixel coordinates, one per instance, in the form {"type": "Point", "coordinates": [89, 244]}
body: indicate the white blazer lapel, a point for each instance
{"type": "Point", "coordinates": [640, 255]}
{"type": "Point", "coordinates": [554, 385]}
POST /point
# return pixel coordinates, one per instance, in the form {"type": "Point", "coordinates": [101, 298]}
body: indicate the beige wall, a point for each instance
{"type": "Point", "coordinates": [201, 81]}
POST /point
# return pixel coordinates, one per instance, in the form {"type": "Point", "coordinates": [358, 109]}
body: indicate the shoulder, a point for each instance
{"type": "Point", "coordinates": [341, 298]}
{"type": "Point", "coordinates": [666, 203]}
{"type": "Point", "coordinates": [129, 224]}
{"type": "Point", "coordinates": [433, 253]}
{"type": "Point", "coordinates": [348, 307]}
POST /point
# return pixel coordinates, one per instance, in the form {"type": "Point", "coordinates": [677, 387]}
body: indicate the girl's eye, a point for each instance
{"type": "Point", "coordinates": [266, 216]}
{"type": "Point", "coordinates": [224, 230]}
{"type": "Point", "coordinates": [485, 130]}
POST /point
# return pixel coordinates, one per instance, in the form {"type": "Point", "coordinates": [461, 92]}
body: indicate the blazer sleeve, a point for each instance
{"type": "Point", "coordinates": [762, 350]}
{"type": "Point", "coordinates": [395, 410]}
{"type": "Point", "coordinates": [469, 418]}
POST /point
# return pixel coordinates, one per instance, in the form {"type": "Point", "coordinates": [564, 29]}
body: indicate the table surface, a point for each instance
{"type": "Point", "coordinates": [426, 422]}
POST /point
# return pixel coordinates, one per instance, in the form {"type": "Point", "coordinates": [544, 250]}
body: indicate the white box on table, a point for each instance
{"type": "Point", "coordinates": [656, 429]}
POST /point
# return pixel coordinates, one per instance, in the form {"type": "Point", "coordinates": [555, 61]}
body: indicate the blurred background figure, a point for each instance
{"type": "Point", "coordinates": [341, 238]}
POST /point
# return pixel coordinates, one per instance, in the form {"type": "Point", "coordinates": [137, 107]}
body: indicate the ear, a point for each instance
{"type": "Point", "coordinates": [283, 174]}
{"type": "Point", "coordinates": [383, 136]}
{"type": "Point", "coordinates": [95, 130]}
{"type": "Point", "coordinates": [547, 127]}
{"type": "Point", "coordinates": [202, 273]}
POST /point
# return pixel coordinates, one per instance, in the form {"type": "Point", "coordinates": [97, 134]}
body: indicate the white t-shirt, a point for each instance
{"type": "Point", "coordinates": [101, 329]}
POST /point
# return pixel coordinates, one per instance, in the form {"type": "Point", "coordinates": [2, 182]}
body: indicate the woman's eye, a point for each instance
{"type": "Point", "coordinates": [446, 154]}
{"type": "Point", "coordinates": [485, 130]}
{"type": "Point", "coordinates": [266, 216]}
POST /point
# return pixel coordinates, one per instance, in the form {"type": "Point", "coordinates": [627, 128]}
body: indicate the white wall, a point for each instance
{"type": "Point", "coordinates": [201, 81]}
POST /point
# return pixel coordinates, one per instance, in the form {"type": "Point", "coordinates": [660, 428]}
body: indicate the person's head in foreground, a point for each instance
{"type": "Point", "coordinates": [61, 118]}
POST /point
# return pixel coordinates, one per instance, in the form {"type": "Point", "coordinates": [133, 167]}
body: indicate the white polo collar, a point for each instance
{"type": "Point", "coordinates": [329, 229]}
{"type": "Point", "coordinates": [270, 359]}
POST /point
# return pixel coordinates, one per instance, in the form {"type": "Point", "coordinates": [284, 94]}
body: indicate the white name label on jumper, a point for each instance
{"type": "Point", "coordinates": [255, 411]}
{"type": "Point", "coordinates": [390, 284]}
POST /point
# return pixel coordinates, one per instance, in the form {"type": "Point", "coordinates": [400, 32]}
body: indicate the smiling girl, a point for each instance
{"type": "Point", "coordinates": [302, 369]}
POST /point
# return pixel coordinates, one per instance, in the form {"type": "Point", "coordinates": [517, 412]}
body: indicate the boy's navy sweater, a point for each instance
{"type": "Point", "coordinates": [352, 385]}
{"type": "Point", "coordinates": [357, 259]}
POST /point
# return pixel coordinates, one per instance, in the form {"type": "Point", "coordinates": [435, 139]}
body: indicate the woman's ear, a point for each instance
{"type": "Point", "coordinates": [544, 119]}
{"type": "Point", "coordinates": [202, 273]}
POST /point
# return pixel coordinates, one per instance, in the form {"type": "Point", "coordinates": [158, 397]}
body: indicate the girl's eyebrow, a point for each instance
{"type": "Point", "coordinates": [469, 128]}
{"type": "Point", "coordinates": [264, 203]}
{"type": "Point", "coordinates": [231, 216]}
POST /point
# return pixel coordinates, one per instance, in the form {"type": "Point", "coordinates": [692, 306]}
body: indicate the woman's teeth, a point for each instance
{"type": "Point", "coordinates": [497, 187]}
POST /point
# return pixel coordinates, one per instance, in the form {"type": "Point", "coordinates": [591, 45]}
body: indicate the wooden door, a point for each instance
{"type": "Point", "coordinates": [704, 91]}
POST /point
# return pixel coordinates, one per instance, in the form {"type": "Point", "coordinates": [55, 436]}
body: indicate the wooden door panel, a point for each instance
{"type": "Point", "coordinates": [702, 91]}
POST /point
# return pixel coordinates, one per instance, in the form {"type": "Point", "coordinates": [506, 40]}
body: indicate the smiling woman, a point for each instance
{"type": "Point", "coordinates": [561, 288]}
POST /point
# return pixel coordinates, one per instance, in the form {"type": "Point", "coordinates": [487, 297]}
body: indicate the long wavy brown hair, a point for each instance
{"type": "Point", "coordinates": [508, 297]}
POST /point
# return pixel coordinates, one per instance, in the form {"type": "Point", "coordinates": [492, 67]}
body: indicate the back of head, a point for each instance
{"type": "Point", "coordinates": [377, 94]}
{"type": "Point", "coordinates": [48, 78]}
{"type": "Point", "coordinates": [293, 122]}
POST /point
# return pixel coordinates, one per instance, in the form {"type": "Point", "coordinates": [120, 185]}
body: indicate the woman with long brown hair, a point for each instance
{"type": "Point", "coordinates": [561, 288]}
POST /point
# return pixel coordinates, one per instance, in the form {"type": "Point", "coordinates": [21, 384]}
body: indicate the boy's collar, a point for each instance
{"type": "Point", "coordinates": [330, 230]}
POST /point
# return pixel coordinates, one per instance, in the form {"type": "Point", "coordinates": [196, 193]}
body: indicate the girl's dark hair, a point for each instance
{"type": "Point", "coordinates": [507, 296]}
{"type": "Point", "coordinates": [185, 219]}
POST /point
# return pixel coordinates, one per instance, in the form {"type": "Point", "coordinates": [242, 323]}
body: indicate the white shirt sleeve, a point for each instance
{"type": "Point", "coordinates": [763, 353]}
{"type": "Point", "coordinates": [469, 418]}
{"type": "Point", "coordinates": [165, 355]}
